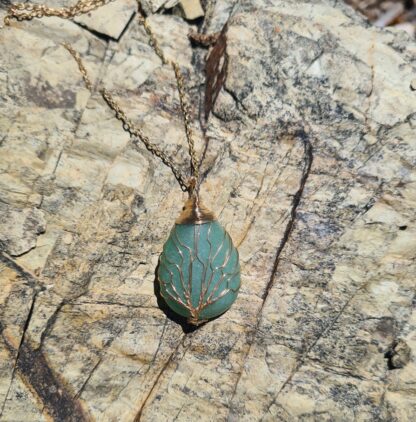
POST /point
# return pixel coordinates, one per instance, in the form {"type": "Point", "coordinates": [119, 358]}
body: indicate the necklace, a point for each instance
{"type": "Point", "coordinates": [199, 270]}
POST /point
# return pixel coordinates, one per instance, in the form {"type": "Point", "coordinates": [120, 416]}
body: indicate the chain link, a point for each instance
{"type": "Point", "coordinates": [81, 66]}
{"type": "Point", "coordinates": [27, 11]}
{"type": "Point", "coordinates": [187, 121]}
{"type": "Point", "coordinates": [181, 90]}
{"type": "Point", "coordinates": [134, 131]}
{"type": "Point", "coordinates": [137, 134]}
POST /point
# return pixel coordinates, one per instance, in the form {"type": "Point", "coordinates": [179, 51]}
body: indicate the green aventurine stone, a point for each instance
{"type": "Point", "coordinates": [199, 271]}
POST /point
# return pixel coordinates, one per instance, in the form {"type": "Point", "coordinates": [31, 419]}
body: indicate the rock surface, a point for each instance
{"type": "Point", "coordinates": [110, 19]}
{"type": "Point", "coordinates": [309, 163]}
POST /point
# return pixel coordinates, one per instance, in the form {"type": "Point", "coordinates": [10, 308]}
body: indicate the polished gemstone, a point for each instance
{"type": "Point", "coordinates": [199, 271]}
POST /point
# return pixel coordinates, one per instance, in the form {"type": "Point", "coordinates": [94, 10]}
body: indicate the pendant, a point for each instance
{"type": "Point", "coordinates": [199, 269]}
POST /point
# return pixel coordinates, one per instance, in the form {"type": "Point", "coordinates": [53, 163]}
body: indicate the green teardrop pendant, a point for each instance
{"type": "Point", "coordinates": [199, 269]}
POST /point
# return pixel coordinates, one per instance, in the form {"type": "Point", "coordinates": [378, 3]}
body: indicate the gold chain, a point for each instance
{"type": "Point", "coordinates": [81, 66]}
{"type": "Point", "coordinates": [27, 11]}
{"type": "Point", "coordinates": [181, 90]}
{"type": "Point", "coordinates": [134, 131]}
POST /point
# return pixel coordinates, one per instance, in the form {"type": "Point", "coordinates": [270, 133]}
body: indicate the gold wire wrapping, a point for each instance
{"type": "Point", "coordinates": [194, 212]}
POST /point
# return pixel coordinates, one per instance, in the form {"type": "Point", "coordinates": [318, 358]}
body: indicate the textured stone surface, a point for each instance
{"type": "Point", "coordinates": [310, 166]}
{"type": "Point", "coordinates": [110, 19]}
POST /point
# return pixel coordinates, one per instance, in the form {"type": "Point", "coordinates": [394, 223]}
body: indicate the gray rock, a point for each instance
{"type": "Point", "coordinates": [19, 229]}
{"type": "Point", "coordinates": [309, 161]}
